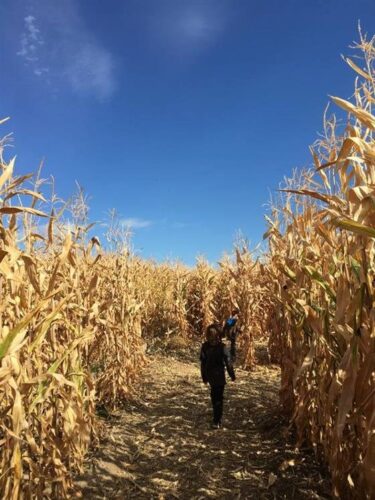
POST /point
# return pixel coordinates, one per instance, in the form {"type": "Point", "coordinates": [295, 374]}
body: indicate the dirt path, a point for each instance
{"type": "Point", "coordinates": [161, 447]}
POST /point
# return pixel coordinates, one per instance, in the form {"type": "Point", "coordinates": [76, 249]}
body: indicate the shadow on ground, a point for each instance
{"type": "Point", "coordinates": [161, 447]}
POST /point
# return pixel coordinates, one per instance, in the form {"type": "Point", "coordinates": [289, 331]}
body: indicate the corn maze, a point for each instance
{"type": "Point", "coordinates": [76, 314]}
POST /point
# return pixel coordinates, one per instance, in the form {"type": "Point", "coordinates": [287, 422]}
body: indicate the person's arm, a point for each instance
{"type": "Point", "coordinates": [223, 331]}
{"type": "Point", "coordinates": [203, 359]}
{"type": "Point", "coordinates": [238, 329]}
{"type": "Point", "coordinates": [228, 364]}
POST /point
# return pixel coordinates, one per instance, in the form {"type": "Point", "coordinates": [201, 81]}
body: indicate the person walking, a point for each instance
{"type": "Point", "coordinates": [231, 331]}
{"type": "Point", "coordinates": [215, 359]}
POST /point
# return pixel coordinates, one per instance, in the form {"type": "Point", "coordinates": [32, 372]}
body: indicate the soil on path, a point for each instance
{"type": "Point", "coordinates": [161, 446]}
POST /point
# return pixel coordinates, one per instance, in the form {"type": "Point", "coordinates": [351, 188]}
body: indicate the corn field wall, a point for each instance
{"type": "Point", "coordinates": [322, 277]}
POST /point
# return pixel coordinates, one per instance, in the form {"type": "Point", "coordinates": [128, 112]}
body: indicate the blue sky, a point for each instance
{"type": "Point", "coordinates": [182, 115]}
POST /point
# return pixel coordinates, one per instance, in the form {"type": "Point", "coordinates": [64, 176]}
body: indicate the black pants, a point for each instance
{"type": "Point", "coordinates": [233, 350]}
{"type": "Point", "coordinates": [217, 397]}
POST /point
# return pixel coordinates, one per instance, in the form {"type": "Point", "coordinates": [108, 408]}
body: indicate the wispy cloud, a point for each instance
{"type": "Point", "coordinates": [30, 44]}
{"type": "Point", "coordinates": [30, 40]}
{"type": "Point", "coordinates": [197, 26]}
{"type": "Point", "coordinates": [91, 71]}
{"type": "Point", "coordinates": [136, 223]}
{"type": "Point", "coordinates": [187, 29]}
{"type": "Point", "coordinates": [57, 42]}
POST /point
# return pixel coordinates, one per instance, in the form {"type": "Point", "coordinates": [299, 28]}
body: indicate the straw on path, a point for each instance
{"type": "Point", "coordinates": [162, 447]}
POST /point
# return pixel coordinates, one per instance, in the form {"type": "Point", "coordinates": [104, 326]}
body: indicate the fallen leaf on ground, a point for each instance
{"type": "Point", "coordinates": [272, 478]}
{"type": "Point", "coordinates": [286, 464]}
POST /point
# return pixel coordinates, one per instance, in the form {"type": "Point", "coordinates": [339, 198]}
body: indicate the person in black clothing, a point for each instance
{"type": "Point", "coordinates": [214, 359]}
{"type": "Point", "coordinates": [231, 331]}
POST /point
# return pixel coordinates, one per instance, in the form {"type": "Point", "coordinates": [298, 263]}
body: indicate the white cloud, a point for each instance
{"type": "Point", "coordinates": [57, 43]}
{"type": "Point", "coordinates": [196, 26]}
{"type": "Point", "coordinates": [40, 71]}
{"type": "Point", "coordinates": [135, 223]}
{"type": "Point", "coordinates": [33, 31]}
{"type": "Point", "coordinates": [187, 29]}
{"type": "Point", "coordinates": [31, 40]}
{"type": "Point", "coordinates": [90, 70]}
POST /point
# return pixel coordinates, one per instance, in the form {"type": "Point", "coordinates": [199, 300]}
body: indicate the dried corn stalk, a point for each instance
{"type": "Point", "coordinates": [321, 274]}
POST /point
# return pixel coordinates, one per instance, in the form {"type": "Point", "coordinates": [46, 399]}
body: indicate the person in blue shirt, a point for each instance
{"type": "Point", "coordinates": [215, 360]}
{"type": "Point", "coordinates": [231, 331]}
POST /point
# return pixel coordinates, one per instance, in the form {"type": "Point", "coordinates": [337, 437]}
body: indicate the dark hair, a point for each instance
{"type": "Point", "coordinates": [235, 311]}
{"type": "Point", "coordinates": [213, 333]}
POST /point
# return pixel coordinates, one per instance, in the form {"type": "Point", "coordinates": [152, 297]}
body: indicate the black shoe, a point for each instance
{"type": "Point", "coordinates": [216, 425]}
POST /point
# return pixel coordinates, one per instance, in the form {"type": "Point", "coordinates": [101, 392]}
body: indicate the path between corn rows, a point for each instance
{"type": "Point", "coordinates": [161, 447]}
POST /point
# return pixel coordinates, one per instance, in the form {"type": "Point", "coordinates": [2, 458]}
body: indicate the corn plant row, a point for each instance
{"type": "Point", "coordinates": [321, 272]}
{"type": "Point", "coordinates": [70, 337]}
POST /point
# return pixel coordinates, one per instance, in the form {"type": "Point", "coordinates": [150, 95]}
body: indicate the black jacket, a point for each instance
{"type": "Point", "coordinates": [214, 360]}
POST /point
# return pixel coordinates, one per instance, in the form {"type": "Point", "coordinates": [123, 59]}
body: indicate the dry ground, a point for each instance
{"type": "Point", "coordinates": [161, 446]}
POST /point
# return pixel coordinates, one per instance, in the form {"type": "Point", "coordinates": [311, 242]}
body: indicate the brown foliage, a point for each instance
{"type": "Point", "coordinates": [321, 275]}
